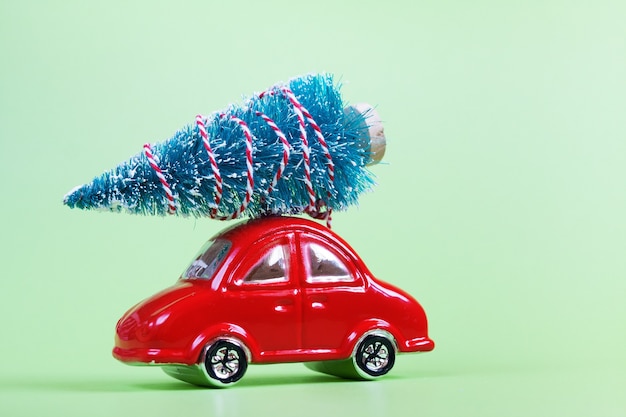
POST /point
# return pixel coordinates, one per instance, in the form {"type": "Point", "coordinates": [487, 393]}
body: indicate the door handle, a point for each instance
{"type": "Point", "coordinates": [283, 305]}
{"type": "Point", "coordinates": [318, 302]}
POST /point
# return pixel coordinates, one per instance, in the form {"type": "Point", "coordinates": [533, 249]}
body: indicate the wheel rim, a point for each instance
{"type": "Point", "coordinates": [375, 356]}
{"type": "Point", "coordinates": [225, 363]}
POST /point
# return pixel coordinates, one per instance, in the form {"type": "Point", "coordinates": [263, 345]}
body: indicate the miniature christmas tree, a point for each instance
{"type": "Point", "coordinates": [293, 148]}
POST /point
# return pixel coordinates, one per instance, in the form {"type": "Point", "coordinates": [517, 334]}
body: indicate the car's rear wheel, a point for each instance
{"type": "Point", "coordinates": [374, 356]}
{"type": "Point", "coordinates": [225, 363]}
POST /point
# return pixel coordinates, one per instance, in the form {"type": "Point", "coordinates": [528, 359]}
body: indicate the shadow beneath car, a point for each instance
{"type": "Point", "coordinates": [255, 378]}
{"type": "Point", "coordinates": [247, 381]}
{"type": "Point", "coordinates": [118, 385]}
{"type": "Point", "coordinates": [264, 380]}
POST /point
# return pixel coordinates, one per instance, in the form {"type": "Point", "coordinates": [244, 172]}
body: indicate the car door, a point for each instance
{"type": "Point", "coordinates": [264, 297]}
{"type": "Point", "coordinates": [332, 293]}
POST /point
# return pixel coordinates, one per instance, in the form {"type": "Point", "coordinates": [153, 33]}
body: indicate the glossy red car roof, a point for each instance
{"type": "Point", "coordinates": [251, 230]}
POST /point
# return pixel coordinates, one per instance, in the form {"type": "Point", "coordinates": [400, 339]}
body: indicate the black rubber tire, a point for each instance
{"type": "Point", "coordinates": [375, 356]}
{"type": "Point", "coordinates": [225, 363]}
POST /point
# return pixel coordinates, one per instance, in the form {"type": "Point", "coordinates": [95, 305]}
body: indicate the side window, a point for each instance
{"type": "Point", "coordinates": [271, 268]}
{"type": "Point", "coordinates": [325, 266]}
{"type": "Point", "coordinates": [208, 259]}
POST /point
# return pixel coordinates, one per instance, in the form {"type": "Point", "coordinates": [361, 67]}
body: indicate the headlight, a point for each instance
{"type": "Point", "coordinates": [148, 329]}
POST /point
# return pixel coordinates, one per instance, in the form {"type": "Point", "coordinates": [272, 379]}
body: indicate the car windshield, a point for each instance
{"type": "Point", "coordinates": [207, 260]}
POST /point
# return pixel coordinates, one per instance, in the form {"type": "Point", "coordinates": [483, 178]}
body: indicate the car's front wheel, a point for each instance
{"type": "Point", "coordinates": [225, 363]}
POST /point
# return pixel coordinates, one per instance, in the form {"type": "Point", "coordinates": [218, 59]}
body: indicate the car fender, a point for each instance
{"type": "Point", "coordinates": [224, 331]}
{"type": "Point", "coordinates": [368, 327]}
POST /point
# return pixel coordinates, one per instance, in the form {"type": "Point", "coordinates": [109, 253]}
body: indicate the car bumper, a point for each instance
{"type": "Point", "coordinates": [419, 344]}
{"type": "Point", "coordinates": [152, 356]}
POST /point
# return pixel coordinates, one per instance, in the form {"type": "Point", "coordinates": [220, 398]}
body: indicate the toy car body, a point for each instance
{"type": "Point", "coordinates": [271, 290]}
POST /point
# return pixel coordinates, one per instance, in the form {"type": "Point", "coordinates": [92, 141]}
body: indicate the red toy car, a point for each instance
{"type": "Point", "coordinates": [275, 289]}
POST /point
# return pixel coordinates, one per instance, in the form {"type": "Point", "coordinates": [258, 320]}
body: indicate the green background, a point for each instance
{"type": "Point", "coordinates": [501, 204]}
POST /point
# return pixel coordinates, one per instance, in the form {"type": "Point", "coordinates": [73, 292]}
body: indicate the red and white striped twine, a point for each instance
{"type": "Point", "coordinates": [214, 167]}
{"type": "Point", "coordinates": [286, 149]}
{"type": "Point", "coordinates": [306, 149]}
{"type": "Point", "coordinates": [317, 130]}
{"type": "Point", "coordinates": [314, 206]}
{"type": "Point", "coordinates": [250, 173]}
{"type": "Point", "coordinates": [147, 149]}
{"type": "Point", "coordinates": [303, 116]}
{"type": "Point", "coordinates": [249, 169]}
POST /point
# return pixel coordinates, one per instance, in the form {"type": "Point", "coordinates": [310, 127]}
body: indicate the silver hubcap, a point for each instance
{"type": "Point", "coordinates": [225, 363]}
{"type": "Point", "coordinates": [375, 356]}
